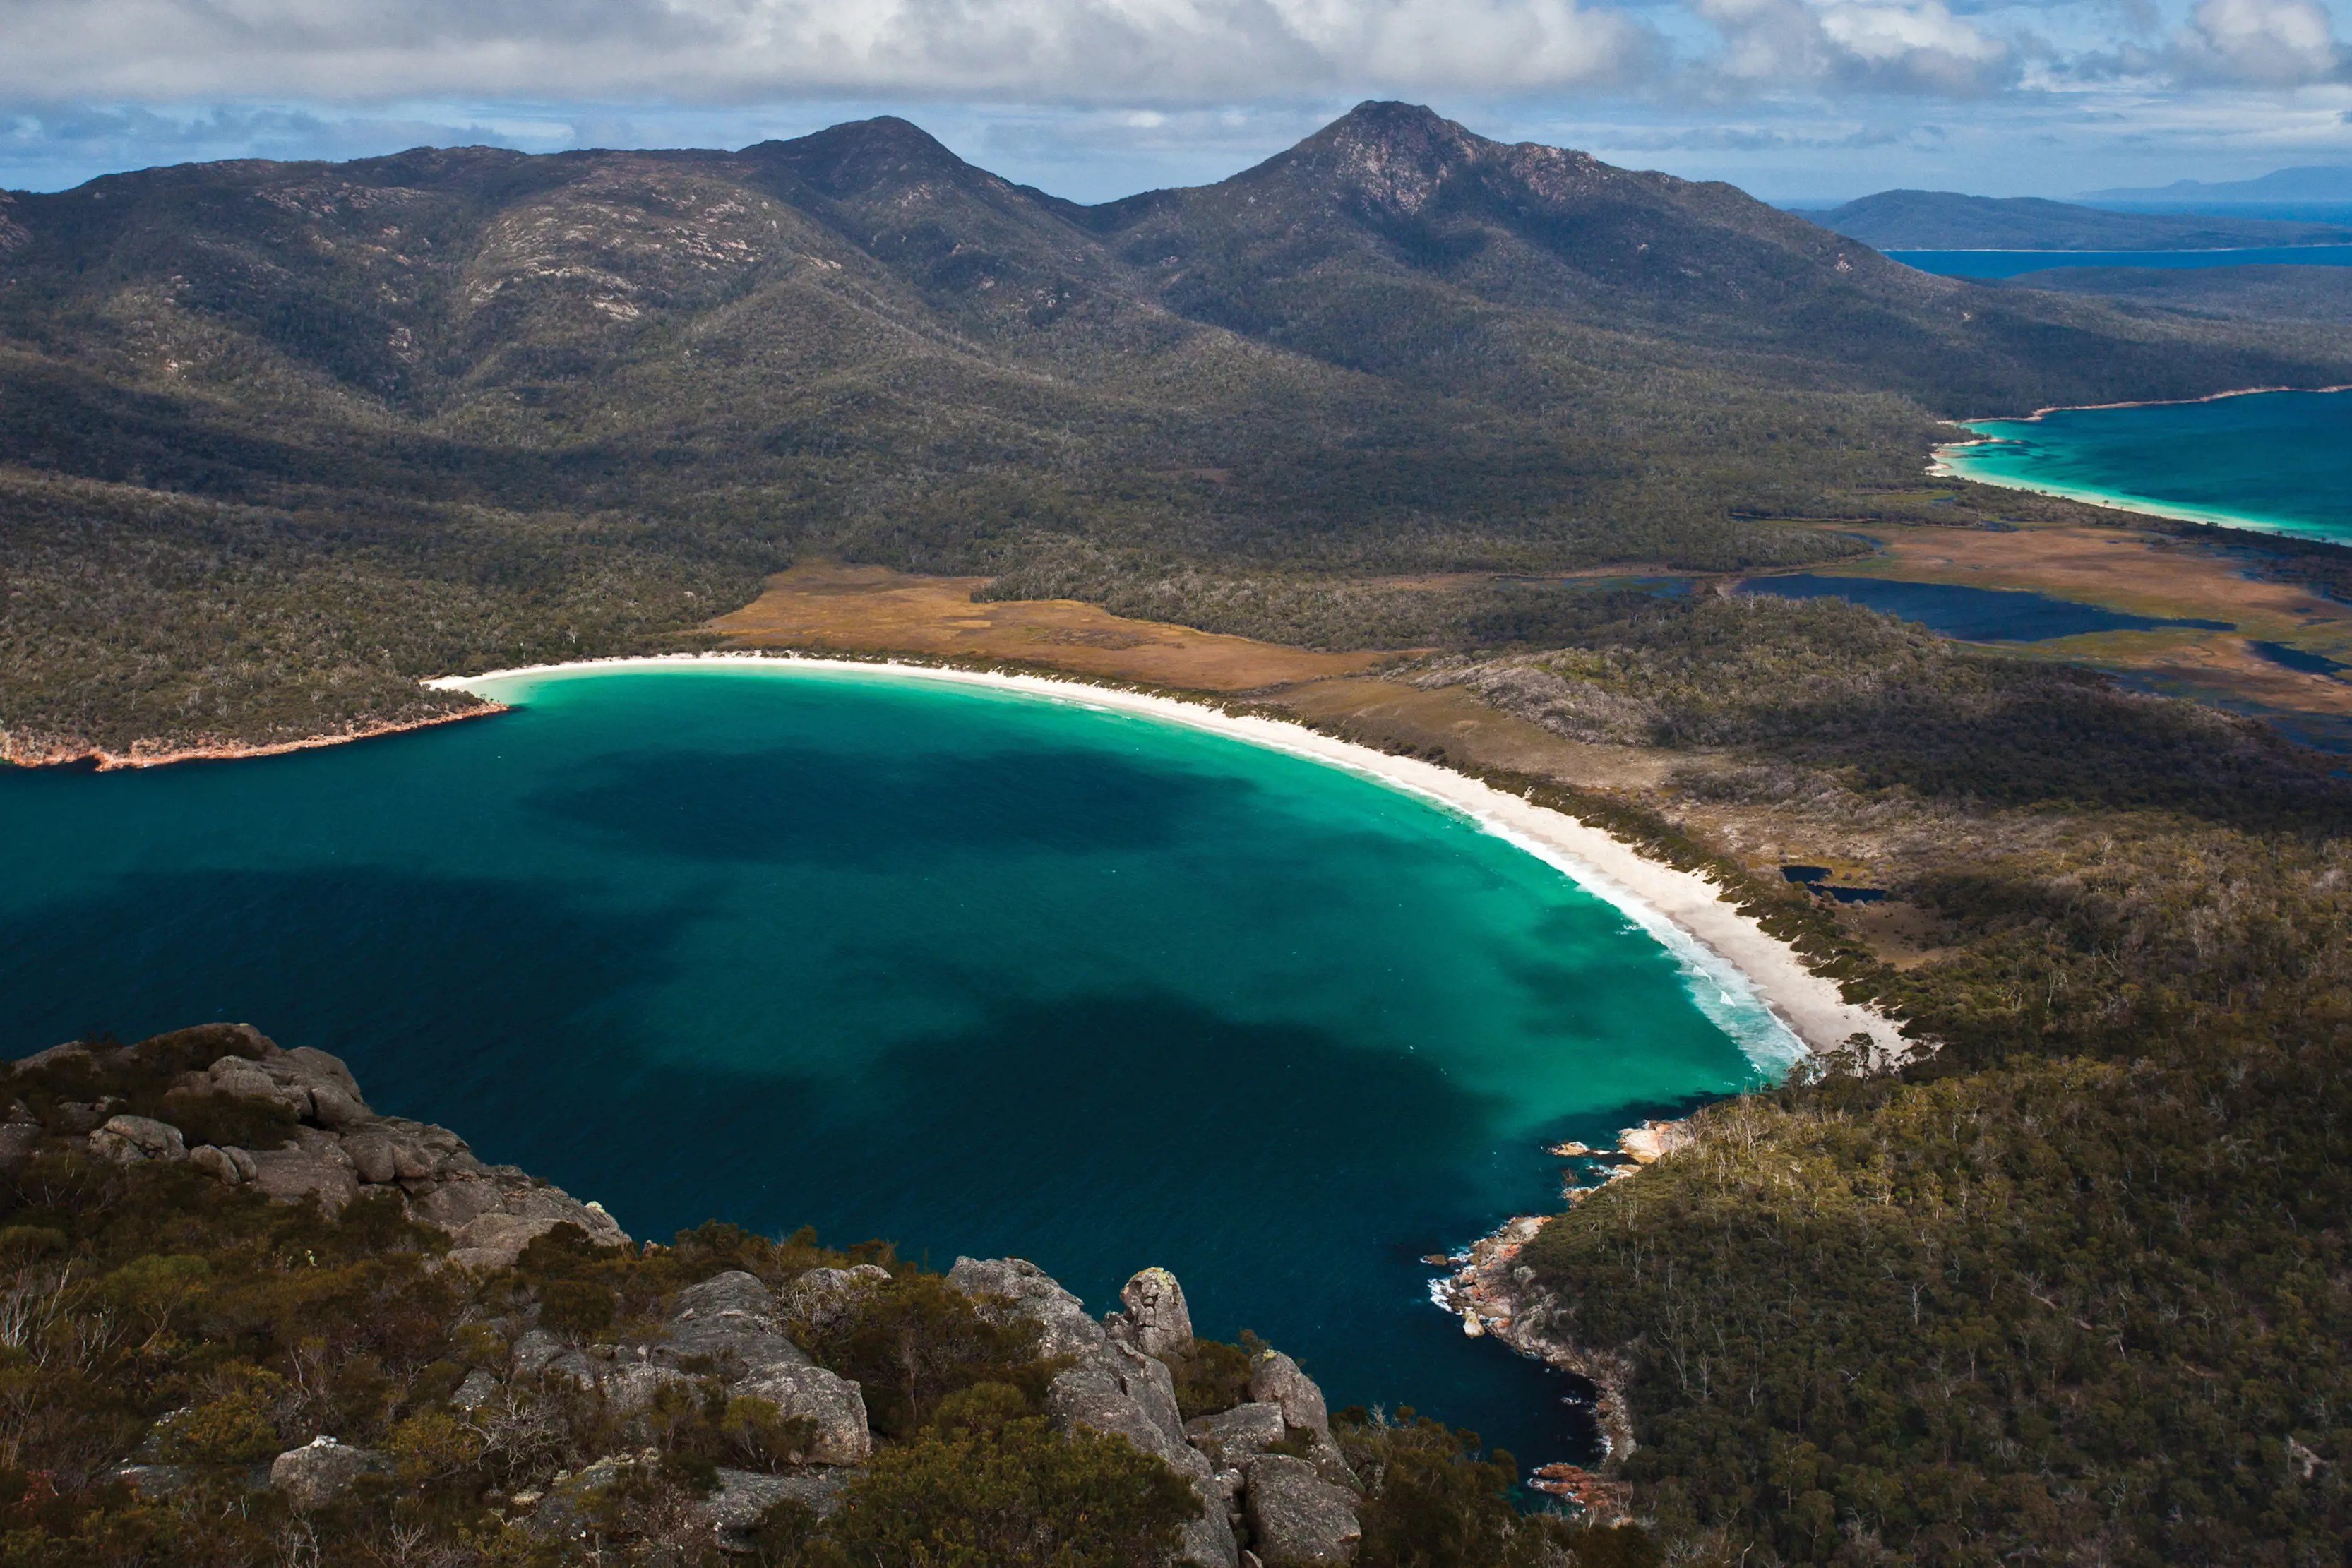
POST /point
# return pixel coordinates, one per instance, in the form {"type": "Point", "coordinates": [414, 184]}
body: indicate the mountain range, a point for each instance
{"type": "Point", "coordinates": [280, 437]}
{"type": "Point", "coordinates": [2308, 183]}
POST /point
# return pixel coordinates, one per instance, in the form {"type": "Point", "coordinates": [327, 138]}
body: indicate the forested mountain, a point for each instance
{"type": "Point", "coordinates": [1946, 220]}
{"type": "Point", "coordinates": [256, 417]}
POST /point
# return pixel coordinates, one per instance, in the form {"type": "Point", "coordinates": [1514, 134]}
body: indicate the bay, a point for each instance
{"type": "Point", "coordinates": [967, 969]}
{"type": "Point", "coordinates": [2279, 462]}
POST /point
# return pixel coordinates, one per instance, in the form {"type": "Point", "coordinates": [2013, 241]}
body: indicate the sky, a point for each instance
{"type": "Point", "coordinates": [1796, 101]}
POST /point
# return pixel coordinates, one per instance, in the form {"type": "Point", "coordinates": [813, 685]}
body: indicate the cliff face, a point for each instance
{"type": "Point", "coordinates": [352, 1331]}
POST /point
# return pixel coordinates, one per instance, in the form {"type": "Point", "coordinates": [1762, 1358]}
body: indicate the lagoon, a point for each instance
{"type": "Point", "coordinates": [970, 969]}
{"type": "Point", "coordinates": [1971, 614]}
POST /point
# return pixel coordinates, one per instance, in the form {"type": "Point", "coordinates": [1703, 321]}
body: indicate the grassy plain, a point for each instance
{"type": "Point", "coordinates": [831, 607]}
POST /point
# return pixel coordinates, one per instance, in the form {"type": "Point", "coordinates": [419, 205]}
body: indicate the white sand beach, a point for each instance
{"type": "Point", "coordinates": [1682, 910]}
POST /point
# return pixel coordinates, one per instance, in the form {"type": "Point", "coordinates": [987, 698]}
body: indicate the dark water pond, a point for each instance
{"type": "Point", "coordinates": [1971, 614]}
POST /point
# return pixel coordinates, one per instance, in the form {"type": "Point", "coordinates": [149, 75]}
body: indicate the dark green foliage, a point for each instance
{"type": "Point", "coordinates": [1214, 1377]}
{"type": "Point", "coordinates": [992, 1484]}
{"type": "Point", "coordinates": [1995, 1315]}
{"type": "Point", "coordinates": [229, 1120]}
{"type": "Point", "coordinates": [915, 1340]}
{"type": "Point", "coordinates": [1436, 1500]}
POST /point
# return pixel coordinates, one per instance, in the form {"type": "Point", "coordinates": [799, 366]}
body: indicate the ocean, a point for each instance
{"type": "Point", "coordinates": [2011, 263]}
{"type": "Point", "coordinates": [972, 970]}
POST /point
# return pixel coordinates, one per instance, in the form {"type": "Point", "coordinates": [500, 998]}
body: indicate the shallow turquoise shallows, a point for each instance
{"type": "Point", "coordinates": [976, 971]}
{"type": "Point", "coordinates": [2278, 461]}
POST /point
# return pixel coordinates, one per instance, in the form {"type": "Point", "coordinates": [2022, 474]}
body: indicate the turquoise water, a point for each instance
{"type": "Point", "coordinates": [2012, 263]}
{"type": "Point", "coordinates": [971, 970]}
{"type": "Point", "coordinates": [2280, 462]}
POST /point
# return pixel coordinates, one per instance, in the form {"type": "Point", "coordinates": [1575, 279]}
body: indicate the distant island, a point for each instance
{"type": "Point", "coordinates": [2323, 183]}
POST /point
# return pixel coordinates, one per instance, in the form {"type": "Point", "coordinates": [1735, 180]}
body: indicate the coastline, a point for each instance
{"type": "Point", "coordinates": [1976, 419]}
{"type": "Point", "coordinates": [1683, 911]}
{"type": "Point", "coordinates": [16, 753]}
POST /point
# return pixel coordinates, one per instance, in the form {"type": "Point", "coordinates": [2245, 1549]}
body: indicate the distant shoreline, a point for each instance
{"type": "Point", "coordinates": [1686, 912]}
{"type": "Point", "coordinates": [2035, 417]}
{"type": "Point", "coordinates": [18, 754]}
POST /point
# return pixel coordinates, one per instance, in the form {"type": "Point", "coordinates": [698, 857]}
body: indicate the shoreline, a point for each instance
{"type": "Point", "coordinates": [1942, 467]}
{"type": "Point", "coordinates": [14, 754]}
{"type": "Point", "coordinates": [1682, 910]}
{"type": "Point", "coordinates": [1974, 420]}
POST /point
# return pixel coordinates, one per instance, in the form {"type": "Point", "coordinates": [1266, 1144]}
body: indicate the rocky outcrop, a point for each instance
{"type": "Point", "coordinates": [824, 1299]}
{"type": "Point", "coordinates": [1276, 1380]}
{"type": "Point", "coordinates": [1119, 1391]}
{"type": "Point", "coordinates": [1495, 1294]}
{"type": "Point", "coordinates": [726, 1327]}
{"type": "Point", "coordinates": [337, 1150]}
{"type": "Point", "coordinates": [321, 1471]}
{"type": "Point", "coordinates": [728, 1323]}
{"type": "Point", "coordinates": [127, 1140]}
{"type": "Point", "coordinates": [1281, 1506]}
{"type": "Point", "coordinates": [1296, 1516]}
{"type": "Point", "coordinates": [1018, 1288]}
{"type": "Point", "coordinates": [1156, 1321]}
{"type": "Point", "coordinates": [1234, 1437]}
{"type": "Point", "coordinates": [743, 1496]}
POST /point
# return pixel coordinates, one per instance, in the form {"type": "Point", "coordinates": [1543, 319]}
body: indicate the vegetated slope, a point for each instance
{"type": "Point", "coordinates": [2072, 1289]}
{"type": "Point", "coordinates": [1946, 220]}
{"type": "Point", "coordinates": [2251, 293]}
{"type": "Point", "coordinates": [574, 400]}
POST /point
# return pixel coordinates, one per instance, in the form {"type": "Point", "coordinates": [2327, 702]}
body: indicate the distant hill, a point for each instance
{"type": "Point", "coordinates": [1943, 220]}
{"type": "Point", "coordinates": [275, 437]}
{"type": "Point", "coordinates": [2310, 183]}
{"type": "Point", "coordinates": [2240, 293]}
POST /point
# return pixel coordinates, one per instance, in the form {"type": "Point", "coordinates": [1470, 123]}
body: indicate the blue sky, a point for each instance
{"type": "Point", "coordinates": [1096, 99]}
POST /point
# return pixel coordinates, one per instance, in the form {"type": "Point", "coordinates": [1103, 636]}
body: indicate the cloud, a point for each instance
{"type": "Point", "coordinates": [1169, 51]}
{"type": "Point", "coordinates": [2260, 43]}
{"type": "Point", "coordinates": [1856, 45]}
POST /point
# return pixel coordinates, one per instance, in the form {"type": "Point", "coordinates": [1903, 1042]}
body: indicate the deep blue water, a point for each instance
{"type": "Point", "coordinates": [1972, 614]}
{"type": "Point", "coordinates": [974, 971]}
{"type": "Point", "coordinates": [2280, 462]}
{"type": "Point", "coordinates": [2011, 263]}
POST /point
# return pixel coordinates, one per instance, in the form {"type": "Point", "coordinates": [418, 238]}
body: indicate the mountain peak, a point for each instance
{"type": "Point", "coordinates": [852, 158]}
{"type": "Point", "coordinates": [1393, 155]}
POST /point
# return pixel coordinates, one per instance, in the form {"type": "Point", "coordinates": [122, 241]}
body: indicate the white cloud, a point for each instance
{"type": "Point", "coordinates": [2260, 43]}
{"type": "Point", "coordinates": [1783, 45]}
{"type": "Point", "coordinates": [1061, 50]}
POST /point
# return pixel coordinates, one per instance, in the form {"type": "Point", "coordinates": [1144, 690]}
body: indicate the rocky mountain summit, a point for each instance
{"type": "Point", "coordinates": [742, 1398]}
{"type": "Point", "coordinates": [334, 1147]}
